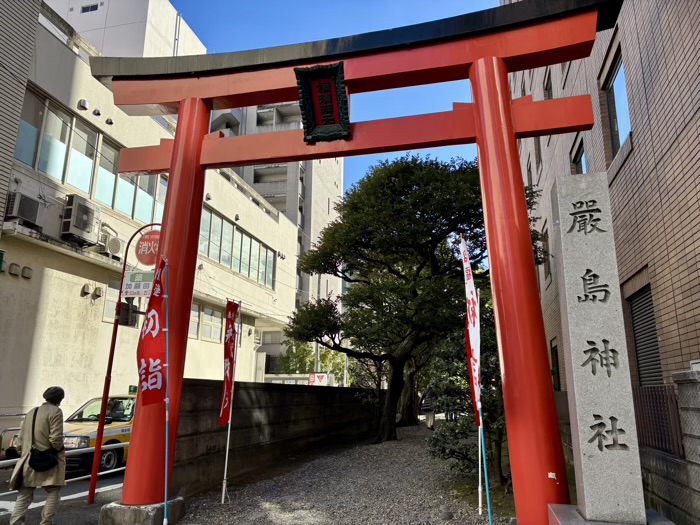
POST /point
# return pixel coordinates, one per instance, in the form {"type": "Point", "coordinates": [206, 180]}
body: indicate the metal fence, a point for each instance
{"type": "Point", "coordinates": [658, 419]}
{"type": "Point", "coordinates": [72, 452]}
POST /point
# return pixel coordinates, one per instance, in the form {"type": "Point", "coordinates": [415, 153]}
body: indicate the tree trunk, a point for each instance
{"type": "Point", "coordinates": [408, 404]}
{"type": "Point", "coordinates": [387, 425]}
{"type": "Point", "coordinates": [496, 442]}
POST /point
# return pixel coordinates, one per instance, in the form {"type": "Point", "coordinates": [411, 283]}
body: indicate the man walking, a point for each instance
{"type": "Point", "coordinates": [42, 429]}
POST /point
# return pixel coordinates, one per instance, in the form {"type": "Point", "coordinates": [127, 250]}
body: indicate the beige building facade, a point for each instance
{"type": "Point", "coordinates": [64, 235]}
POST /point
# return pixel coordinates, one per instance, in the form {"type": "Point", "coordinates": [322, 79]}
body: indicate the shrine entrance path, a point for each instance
{"type": "Point", "coordinates": [396, 482]}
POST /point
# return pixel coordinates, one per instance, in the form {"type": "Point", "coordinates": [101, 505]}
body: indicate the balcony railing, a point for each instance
{"type": "Point", "coordinates": [658, 419]}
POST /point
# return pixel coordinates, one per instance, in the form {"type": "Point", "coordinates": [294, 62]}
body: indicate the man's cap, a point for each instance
{"type": "Point", "coordinates": [54, 394]}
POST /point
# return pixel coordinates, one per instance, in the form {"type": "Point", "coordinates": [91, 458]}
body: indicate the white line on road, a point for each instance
{"type": "Point", "coordinates": [10, 505]}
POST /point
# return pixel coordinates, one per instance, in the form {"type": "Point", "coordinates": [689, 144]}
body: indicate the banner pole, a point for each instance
{"type": "Point", "coordinates": [224, 492]}
{"type": "Point", "coordinates": [486, 471]}
{"type": "Point", "coordinates": [167, 395]}
{"type": "Point", "coordinates": [481, 488]}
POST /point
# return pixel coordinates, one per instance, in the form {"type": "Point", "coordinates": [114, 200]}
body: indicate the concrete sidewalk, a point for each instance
{"type": "Point", "coordinates": [71, 512]}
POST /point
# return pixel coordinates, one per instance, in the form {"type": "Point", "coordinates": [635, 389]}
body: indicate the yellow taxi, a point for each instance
{"type": "Point", "coordinates": [80, 431]}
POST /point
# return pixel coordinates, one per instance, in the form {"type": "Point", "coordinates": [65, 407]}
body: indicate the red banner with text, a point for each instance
{"type": "Point", "coordinates": [229, 362]}
{"type": "Point", "coordinates": [151, 349]}
{"type": "Point", "coordinates": [473, 333]}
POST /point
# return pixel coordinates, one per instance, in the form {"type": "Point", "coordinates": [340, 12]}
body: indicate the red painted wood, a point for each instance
{"type": "Point", "coordinates": [397, 134]}
{"type": "Point", "coordinates": [522, 48]}
{"type": "Point", "coordinates": [534, 442]}
{"type": "Point", "coordinates": [144, 482]}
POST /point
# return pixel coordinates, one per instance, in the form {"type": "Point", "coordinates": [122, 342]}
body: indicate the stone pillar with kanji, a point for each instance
{"type": "Point", "coordinates": [604, 435]}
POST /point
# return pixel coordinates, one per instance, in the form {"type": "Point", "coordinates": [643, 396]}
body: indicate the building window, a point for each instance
{"type": "Point", "coordinates": [618, 106]}
{"type": "Point", "coordinates": [160, 198]}
{"type": "Point", "coordinates": [554, 356]}
{"type": "Point", "coordinates": [82, 157]}
{"type": "Point", "coordinates": [66, 149]}
{"type": "Point", "coordinates": [232, 247]}
{"type": "Point", "coordinates": [578, 161]}
{"type": "Point", "coordinates": [88, 8]}
{"type": "Point", "coordinates": [29, 128]}
{"type": "Point", "coordinates": [145, 197]}
{"type": "Point", "coordinates": [212, 323]}
{"type": "Point", "coordinates": [54, 143]}
{"type": "Point", "coordinates": [646, 342]}
{"type": "Point", "coordinates": [126, 190]}
{"type": "Point", "coordinates": [194, 321]}
{"type": "Point", "coordinates": [107, 174]}
{"type": "Point", "coordinates": [548, 95]}
{"type": "Point", "coordinates": [538, 154]}
{"type": "Point", "coordinates": [547, 260]}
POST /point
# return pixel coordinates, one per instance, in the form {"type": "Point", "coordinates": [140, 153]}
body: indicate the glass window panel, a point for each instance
{"type": "Point", "coordinates": [29, 126]}
{"type": "Point", "coordinates": [226, 244]}
{"type": "Point", "coordinates": [106, 174]}
{"type": "Point", "coordinates": [254, 259]}
{"type": "Point", "coordinates": [52, 158]}
{"type": "Point", "coordinates": [622, 110]}
{"type": "Point", "coordinates": [82, 157]}
{"type": "Point", "coordinates": [215, 238]}
{"type": "Point", "coordinates": [206, 331]}
{"type": "Point", "coordinates": [204, 232]}
{"type": "Point", "coordinates": [263, 263]}
{"type": "Point", "coordinates": [194, 321]}
{"type": "Point", "coordinates": [237, 242]}
{"type": "Point", "coordinates": [160, 200]}
{"type": "Point", "coordinates": [212, 322]}
{"type": "Point", "coordinates": [145, 196]}
{"type": "Point", "coordinates": [217, 324]}
{"type": "Point", "coordinates": [245, 255]}
{"type": "Point", "coordinates": [270, 277]}
{"type": "Point", "coordinates": [126, 188]}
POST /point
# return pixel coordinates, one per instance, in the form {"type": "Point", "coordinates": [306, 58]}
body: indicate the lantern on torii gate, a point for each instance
{"type": "Point", "coordinates": [483, 47]}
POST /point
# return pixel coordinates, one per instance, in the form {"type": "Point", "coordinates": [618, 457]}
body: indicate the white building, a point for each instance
{"type": "Point", "coordinates": [130, 28]}
{"type": "Point", "coordinates": [58, 293]}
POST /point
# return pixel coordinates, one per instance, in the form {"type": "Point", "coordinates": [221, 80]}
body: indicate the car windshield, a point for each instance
{"type": "Point", "coordinates": [118, 409]}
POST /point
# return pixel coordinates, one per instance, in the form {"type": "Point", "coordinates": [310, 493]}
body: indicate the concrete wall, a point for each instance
{"type": "Point", "coordinates": [672, 485]}
{"type": "Point", "coordinates": [132, 28]}
{"type": "Point", "coordinates": [17, 29]}
{"type": "Point", "coordinates": [269, 423]}
{"type": "Point", "coordinates": [49, 332]}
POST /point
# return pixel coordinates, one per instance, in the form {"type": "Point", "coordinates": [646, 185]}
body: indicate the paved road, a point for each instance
{"type": "Point", "coordinates": [74, 493]}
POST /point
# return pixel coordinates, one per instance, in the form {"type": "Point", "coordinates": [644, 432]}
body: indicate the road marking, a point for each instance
{"type": "Point", "coordinates": [10, 505]}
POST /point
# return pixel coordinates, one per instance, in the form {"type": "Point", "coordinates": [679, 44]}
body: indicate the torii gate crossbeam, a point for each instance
{"type": "Point", "coordinates": [481, 46]}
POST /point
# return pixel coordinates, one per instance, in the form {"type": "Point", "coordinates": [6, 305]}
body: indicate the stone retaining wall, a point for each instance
{"type": "Point", "coordinates": [270, 422]}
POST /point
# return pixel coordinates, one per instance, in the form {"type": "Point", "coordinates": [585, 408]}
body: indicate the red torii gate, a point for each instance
{"type": "Point", "coordinates": [484, 47]}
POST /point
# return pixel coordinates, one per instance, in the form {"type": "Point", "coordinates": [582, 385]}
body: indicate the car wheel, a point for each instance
{"type": "Point", "coordinates": [109, 460]}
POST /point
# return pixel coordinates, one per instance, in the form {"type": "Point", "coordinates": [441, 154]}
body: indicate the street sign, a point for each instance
{"type": "Point", "coordinates": [318, 379]}
{"type": "Point", "coordinates": [147, 248]}
{"type": "Point", "coordinates": [137, 284]}
{"type": "Point", "coordinates": [133, 389]}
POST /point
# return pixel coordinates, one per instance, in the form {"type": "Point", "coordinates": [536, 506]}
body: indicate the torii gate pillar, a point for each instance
{"type": "Point", "coordinates": [537, 458]}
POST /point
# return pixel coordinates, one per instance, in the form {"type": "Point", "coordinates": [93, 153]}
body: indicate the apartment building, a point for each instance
{"type": "Point", "coordinates": [643, 80]}
{"type": "Point", "coordinates": [68, 215]}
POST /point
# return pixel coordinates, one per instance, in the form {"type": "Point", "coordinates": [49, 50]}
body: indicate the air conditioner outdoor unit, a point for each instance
{"type": "Point", "coordinates": [28, 210]}
{"type": "Point", "coordinates": [81, 221]}
{"type": "Point", "coordinates": [111, 246]}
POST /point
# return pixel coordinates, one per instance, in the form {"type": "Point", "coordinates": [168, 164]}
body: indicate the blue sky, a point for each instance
{"type": "Point", "coordinates": [235, 25]}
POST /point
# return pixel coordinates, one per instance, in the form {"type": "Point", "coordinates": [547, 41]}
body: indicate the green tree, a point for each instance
{"type": "Point", "coordinates": [394, 242]}
{"type": "Point", "coordinates": [298, 358]}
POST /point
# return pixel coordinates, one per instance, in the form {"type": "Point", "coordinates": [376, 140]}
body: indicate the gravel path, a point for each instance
{"type": "Point", "coordinates": [395, 483]}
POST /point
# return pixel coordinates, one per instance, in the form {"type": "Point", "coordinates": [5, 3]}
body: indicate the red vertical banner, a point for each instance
{"type": "Point", "coordinates": [229, 362]}
{"type": "Point", "coordinates": [151, 351]}
{"type": "Point", "coordinates": [473, 332]}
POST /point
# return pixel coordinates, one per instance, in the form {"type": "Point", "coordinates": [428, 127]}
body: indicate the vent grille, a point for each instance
{"type": "Point", "coordinates": [84, 218]}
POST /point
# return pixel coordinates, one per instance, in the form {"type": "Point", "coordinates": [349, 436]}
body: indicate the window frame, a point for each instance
{"type": "Point", "coordinates": [616, 140]}
{"type": "Point", "coordinates": [203, 321]}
